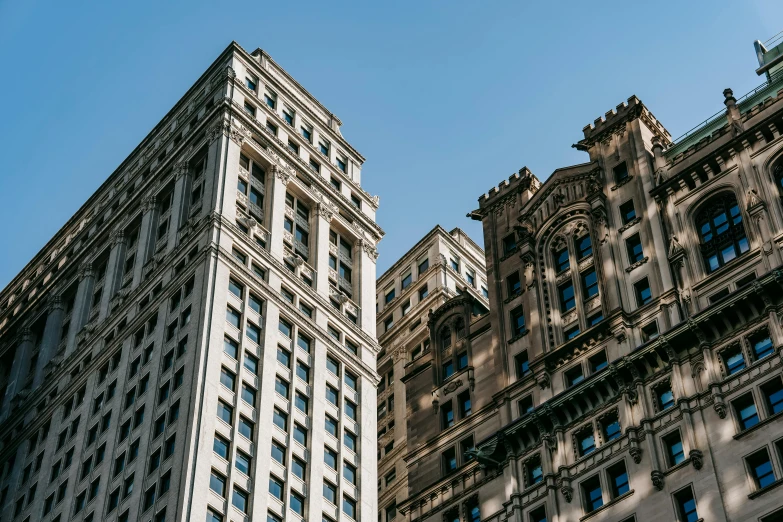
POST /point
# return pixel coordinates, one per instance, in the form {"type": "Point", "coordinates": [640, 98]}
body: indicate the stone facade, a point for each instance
{"type": "Point", "coordinates": [439, 267]}
{"type": "Point", "coordinates": [209, 307]}
{"type": "Point", "coordinates": [629, 368]}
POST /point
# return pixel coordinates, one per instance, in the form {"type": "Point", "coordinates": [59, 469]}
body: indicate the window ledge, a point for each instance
{"type": "Point", "coordinates": [637, 264]}
{"type": "Point", "coordinates": [607, 505]}
{"type": "Point", "coordinates": [763, 490]}
{"type": "Point", "coordinates": [684, 464]}
{"type": "Point", "coordinates": [629, 224]}
{"type": "Point", "coordinates": [622, 182]}
{"type": "Point", "coordinates": [519, 336]}
{"type": "Point", "coordinates": [513, 296]}
{"type": "Point", "coordinates": [762, 423]}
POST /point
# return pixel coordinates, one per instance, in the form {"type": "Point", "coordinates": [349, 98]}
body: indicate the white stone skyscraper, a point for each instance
{"type": "Point", "coordinates": [198, 341]}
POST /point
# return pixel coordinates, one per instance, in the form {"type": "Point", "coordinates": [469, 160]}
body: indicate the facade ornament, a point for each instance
{"type": "Point", "coordinates": [720, 409]}
{"type": "Point", "coordinates": [636, 454]}
{"type": "Point", "coordinates": [369, 249]}
{"type": "Point", "coordinates": [452, 386]}
{"type": "Point", "coordinates": [238, 134]}
{"type": "Point", "coordinates": [675, 248]}
{"type": "Point", "coordinates": [325, 212]}
{"type": "Point", "coordinates": [376, 201]}
{"type": "Point", "coordinates": [441, 260]}
{"type": "Point", "coordinates": [148, 203]}
{"type": "Point", "coordinates": [282, 174]}
{"type": "Point", "coordinates": [566, 489]}
{"type": "Point", "coordinates": [758, 288]}
{"type": "Point", "coordinates": [698, 332]}
{"type": "Point", "coordinates": [637, 264]}
{"type": "Point", "coordinates": [543, 380]}
{"type": "Point", "coordinates": [558, 198]}
{"type": "Point", "coordinates": [753, 198]}
{"type": "Point", "coordinates": [56, 302]}
{"type": "Point", "coordinates": [657, 479]}
{"type": "Point", "coordinates": [697, 458]}
{"type": "Point", "coordinates": [85, 270]}
{"type": "Point", "coordinates": [594, 185]}
{"type": "Point", "coordinates": [117, 237]}
{"type": "Point", "coordinates": [180, 169]}
{"type": "Point", "coordinates": [221, 128]}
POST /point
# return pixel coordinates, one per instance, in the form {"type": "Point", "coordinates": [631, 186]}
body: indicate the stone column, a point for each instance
{"type": "Point", "coordinates": [179, 210]}
{"type": "Point", "coordinates": [113, 276]}
{"type": "Point", "coordinates": [81, 305]}
{"type": "Point", "coordinates": [146, 236]}
{"type": "Point", "coordinates": [51, 337]}
{"type": "Point", "coordinates": [280, 178]}
{"type": "Point", "coordinates": [20, 367]}
{"type": "Point", "coordinates": [365, 293]}
{"type": "Point", "coordinates": [321, 264]}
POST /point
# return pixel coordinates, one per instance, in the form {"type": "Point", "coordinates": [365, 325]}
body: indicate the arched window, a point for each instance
{"type": "Point", "coordinates": [460, 327]}
{"type": "Point", "coordinates": [721, 232]}
{"type": "Point", "coordinates": [445, 338]}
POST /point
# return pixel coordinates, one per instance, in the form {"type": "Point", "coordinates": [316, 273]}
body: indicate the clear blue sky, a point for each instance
{"type": "Point", "coordinates": [444, 98]}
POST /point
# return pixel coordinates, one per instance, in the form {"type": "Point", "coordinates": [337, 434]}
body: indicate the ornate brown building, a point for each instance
{"type": "Point", "coordinates": [629, 367]}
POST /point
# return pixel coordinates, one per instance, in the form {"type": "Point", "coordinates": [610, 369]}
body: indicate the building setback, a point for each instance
{"type": "Point", "coordinates": [198, 341]}
{"type": "Point", "coordinates": [629, 368]}
{"type": "Point", "coordinates": [439, 267]}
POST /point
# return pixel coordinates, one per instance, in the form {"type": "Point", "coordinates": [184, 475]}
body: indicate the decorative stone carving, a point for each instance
{"type": "Point", "coordinates": [284, 175]}
{"type": "Point", "coordinates": [697, 458]}
{"type": "Point", "coordinates": [753, 198]}
{"type": "Point", "coordinates": [637, 264]}
{"type": "Point", "coordinates": [543, 380]}
{"type": "Point", "coordinates": [180, 169]}
{"type": "Point", "coordinates": [720, 409]}
{"type": "Point", "coordinates": [221, 128]}
{"type": "Point", "coordinates": [325, 212]}
{"type": "Point", "coordinates": [453, 385]}
{"type": "Point", "coordinates": [657, 479]}
{"type": "Point", "coordinates": [636, 454]}
{"type": "Point", "coordinates": [370, 249]}
{"type": "Point", "coordinates": [566, 489]}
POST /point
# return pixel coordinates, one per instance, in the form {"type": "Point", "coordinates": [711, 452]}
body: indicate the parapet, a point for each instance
{"type": "Point", "coordinates": [522, 180]}
{"type": "Point", "coordinates": [624, 112]}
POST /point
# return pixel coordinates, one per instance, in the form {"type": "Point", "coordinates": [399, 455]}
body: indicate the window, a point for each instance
{"type": "Point", "coordinates": [598, 362]}
{"type": "Point", "coordinates": [534, 473]}
{"type": "Point", "coordinates": [233, 317]}
{"type": "Point", "coordinates": [610, 425]}
{"type": "Point", "coordinates": [643, 292]}
{"type": "Point", "coordinates": [330, 458]}
{"type": "Point", "coordinates": [620, 172]}
{"type": "Point", "coordinates": [406, 280]}
{"type": "Point", "coordinates": [282, 387]}
{"type": "Point", "coordinates": [674, 450]}
{"type": "Point", "coordinates": [221, 446]}
{"type": "Point", "coordinates": [591, 494]}
{"type": "Point", "coordinates": [633, 245]}
{"type": "Point", "coordinates": [447, 415]}
{"type": "Point", "coordinates": [454, 263]}
{"type": "Point", "coordinates": [448, 369]}
{"type": "Point", "coordinates": [733, 359]}
{"type": "Point", "coordinates": [585, 441]}
{"type": "Point", "coordinates": [239, 500]}
{"type": "Point", "coordinates": [773, 396]}
{"type": "Point", "coordinates": [538, 515]}
{"type": "Point", "coordinates": [250, 109]}
{"type": "Point", "coordinates": [300, 434]}
{"type": "Point", "coordinates": [331, 394]}
{"type": "Point", "coordinates": [514, 284]}
{"type": "Point", "coordinates": [517, 322]}
{"type": "Point", "coordinates": [330, 425]}
{"type": "Point", "coordinates": [745, 408]}
{"type": "Point", "coordinates": [664, 397]}
{"type": "Point", "coordinates": [584, 247]}
{"type": "Point", "coordinates": [424, 265]}
{"type": "Point", "coordinates": [721, 232]}
{"type": "Point", "coordinates": [228, 379]}
{"type": "Point", "coordinates": [762, 345]}
{"type": "Point", "coordinates": [649, 331]}
{"type": "Point", "coordinates": [449, 458]}
{"type": "Point", "coordinates": [225, 412]}
{"type": "Point", "coordinates": [574, 376]}
{"type": "Point", "coordinates": [562, 261]}
{"type": "Point", "coordinates": [349, 507]}
{"type": "Point", "coordinates": [298, 467]}
{"type": "Point", "coordinates": [509, 244]}
{"type": "Point", "coordinates": [276, 487]}
{"type": "Point", "coordinates": [525, 404]}
{"type": "Point", "coordinates": [302, 371]}
{"type": "Point", "coordinates": [760, 467]}
{"type": "Point", "coordinates": [590, 284]}
{"type": "Point", "coordinates": [567, 299]}
{"type": "Point", "coordinates": [349, 439]}
{"type": "Point", "coordinates": [627, 212]}
{"type": "Point", "coordinates": [618, 479]}
{"type": "Point", "coordinates": [522, 364]}
{"type": "Point", "coordinates": [462, 360]}
{"type": "Point", "coordinates": [330, 492]}
{"type": "Point", "coordinates": [217, 483]}
{"type": "Point", "coordinates": [572, 332]}
{"type": "Point", "coordinates": [686, 505]}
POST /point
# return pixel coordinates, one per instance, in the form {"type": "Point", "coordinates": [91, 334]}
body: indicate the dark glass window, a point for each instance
{"type": "Point", "coordinates": [590, 283]}
{"type": "Point", "coordinates": [591, 494]}
{"type": "Point", "coordinates": [584, 247]}
{"type": "Point", "coordinates": [522, 364]}
{"type": "Point", "coordinates": [773, 395]}
{"type": "Point", "coordinates": [761, 468]}
{"type": "Point", "coordinates": [561, 260]}
{"type": "Point", "coordinates": [618, 479]}
{"type": "Point", "coordinates": [509, 244]}
{"type": "Point", "coordinates": [762, 345]}
{"type": "Point", "coordinates": [574, 376]}
{"type": "Point", "coordinates": [514, 284]}
{"type": "Point", "coordinates": [643, 292]}
{"type": "Point", "coordinates": [586, 441]}
{"type": "Point", "coordinates": [721, 232]}
{"type": "Point", "coordinates": [633, 245]}
{"type": "Point", "coordinates": [733, 359]}
{"type": "Point", "coordinates": [517, 321]}
{"type": "Point", "coordinates": [686, 505]}
{"type": "Point", "coordinates": [567, 299]}
{"type": "Point", "coordinates": [674, 451]}
{"type": "Point", "coordinates": [627, 212]}
{"type": "Point", "coordinates": [747, 415]}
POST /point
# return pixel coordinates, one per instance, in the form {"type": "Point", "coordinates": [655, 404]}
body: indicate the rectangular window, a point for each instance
{"type": "Point", "coordinates": [217, 483]}
{"type": "Point", "coordinates": [664, 397]}
{"type": "Point", "coordinates": [592, 496]}
{"type": "Point", "coordinates": [584, 247]}
{"type": "Point", "coordinates": [760, 467]}
{"type": "Point", "coordinates": [562, 261]}
{"type": "Point", "coordinates": [538, 515]}
{"type": "Point", "coordinates": [449, 458]}
{"type": "Point", "coordinates": [674, 450]}
{"type": "Point", "coordinates": [590, 284]}
{"type": "Point", "coordinates": [534, 473]}
{"type": "Point", "coordinates": [517, 321]}
{"type": "Point", "coordinates": [618, 479]}
{"type": "Point", "coordinates": [733, 359]}
{"type": "Point", "coordinates": [447, 415]}
{"type": "Point", "coordinates": [620, 172]}
{"type": "Point", "coordinates": [509, 244]}
{"type": "Point", "coordinates": [627, 212]}
{"type": "Point", "coordinates": [567, 299]}
{"type": "Point", "coordinates": [574, 376]}
{"type": "Point", "coordinates": [598, 362]}
{"type": "Point", "coordinates": [586, 442]}
{"type": "Point", "coordinates": [762, 345]}
{"type": "Point", "coordinates": [611, 427]}
{"type": "Point", "coordinates": [465, 407]}
{"type": "Point", "coordinates": [686, 505]}
{"type": "Point", "coordinates": [423, 292]}
{"type": "Point", "coordinates": [649, 332]}
{"type": "Point", "coordinates": [633, 246]}
{"type": "Point", "coordinates": [773, 396]}
{"type": "Point", "coordinates": [525, 405]}
{"type": "Point", "coordinates": [522, 364]}
{"type": "Point", "coordinates": [745, 409]}
{"type": "Point", "coordinates": [513, 284]}
{"type": "Point", "coordinates": [643, 292]}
